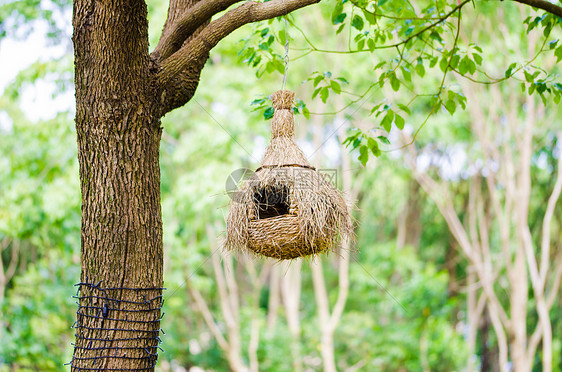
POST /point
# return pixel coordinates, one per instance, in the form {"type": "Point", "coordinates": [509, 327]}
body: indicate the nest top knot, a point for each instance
{"type": "Point", "coordinates": [282, 99]}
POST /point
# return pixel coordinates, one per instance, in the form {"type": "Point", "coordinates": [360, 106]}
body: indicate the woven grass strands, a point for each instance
{"type": "Point", "coordinates": [287, 209]}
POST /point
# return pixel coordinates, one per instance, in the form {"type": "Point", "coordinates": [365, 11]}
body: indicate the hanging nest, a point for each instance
{"type": "Point", "coordinates": [287, 209]}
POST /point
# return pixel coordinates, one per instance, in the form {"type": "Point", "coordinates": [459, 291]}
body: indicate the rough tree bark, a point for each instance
{"type": "Point", "coordinates": [122, 91]}
{"type": "Point", "coordinates": [118, 131]}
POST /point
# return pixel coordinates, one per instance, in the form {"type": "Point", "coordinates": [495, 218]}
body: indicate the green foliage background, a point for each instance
{"type": "Point", "coordinates": [399, 297]}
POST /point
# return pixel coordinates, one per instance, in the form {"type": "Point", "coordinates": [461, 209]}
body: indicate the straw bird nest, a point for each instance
{"type": "Point", "coordinates": [287, 209]}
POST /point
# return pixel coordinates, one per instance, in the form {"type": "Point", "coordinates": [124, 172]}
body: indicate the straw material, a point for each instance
{"type": "Point", "coordinates": [283, 150]}
{"type": "Point", "coordinates": [315, 215]}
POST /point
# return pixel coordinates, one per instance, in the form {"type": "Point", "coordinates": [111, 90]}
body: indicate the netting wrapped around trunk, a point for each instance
{"type": "Point", "coordinates": [288, 209]}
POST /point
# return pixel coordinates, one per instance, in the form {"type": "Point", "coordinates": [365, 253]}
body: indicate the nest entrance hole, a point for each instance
{"type": "Point", "coordinates": [272, 201]}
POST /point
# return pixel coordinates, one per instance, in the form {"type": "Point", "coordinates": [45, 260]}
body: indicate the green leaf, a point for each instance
{"type": "Point", "coordinates": [541, 87]}
{"type": "Point", "coordinates": [324, 93]}
{"type": "Point", "coordinates": [357, 22]}
{"type": "Point", "coordinates": [315, 93]}
{"type": "Point", "coordinates": [384, 140]}
{"type": "Point", "coordinates": [509, 70]}
{"type": "Point", "coordinates": [382, 79]}
{"type": "Point", "coordinates": [343, 80]}
{"type": "Point", "coordinates": [461, 98]}
{"type": "Point", "coordinates": [558, 53]}
{"type": "Point", "coordinates": [477, 58]}
{"type": "Point", "coordinates": [399, 121]}
{"type": "Point", "coordinates": [394, 83]}
{"type": "Point", "coordinates": [463, 65]}
{"type": "Point", "coordinates": [338, 9]}
{"type": "Point", "coordinates": [306, 113]}
{"type": "Point", "coordinates": [270, 40]}
{"type": "Point", "coordinates": [269, 67]}
{"type": "Point", "coordinates": [369, 17]}
{"type": "Point", "coordinates": [363, 155]}
{"type": "Point", "coordinates": [433, 62]}
{"type": "Point", "coordinates": [471, 66]}
{"type": "Point", "coordinates": [340, 29]}
{"type": "Point", "coordinates": [268, 113]}
{"type": "Point", "coordinates": [404, 108]}
{"type": "Point", "coordinates": [375, 108]}
{"type": "Point", "coordinates": [444, 63]}
{"type": "Point", "coordinates": [336, 87]}
{"type": "Point", "coordinates": [451, 106]}
{"type": "Point", "coordinates": [374, 146]}
{"type": "Point", "coordinates": [409, 30]}
{"type": "Point", "coordinates": [278, 65]}
{"type": "Point", "coordinates": [455, 61]}
{"type": "Point", "coordinates": [406, 73]}
{"type": "Point", "coordinates": [420, 70]}
{"type": "Point", "coordinates": [353, 137]}
{"type": "Point", "coordinates": [386, 122]}
{"type": "Point", "coordinates": [361, 44]}
{"type": "Point", "coordinates": [371, 45]}
{"type": "Point", "coordinates": [339, 19]}
{"type": "Point", "coordinates": [258, 101]}
{"type": "Point", "coordinates": [317, 80]}
{"type": "Point", "coordinates": [282, 36]}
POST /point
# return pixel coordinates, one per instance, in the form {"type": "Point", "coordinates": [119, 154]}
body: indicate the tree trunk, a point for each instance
{"type": "Point", "coordinates": [488, 353]}
{"type": "Point", "coordinates": [409, 226]}
{"type": "Point", "coordinates": [291, 294]}
{"type": "Point", "coordinates": [118, 131]}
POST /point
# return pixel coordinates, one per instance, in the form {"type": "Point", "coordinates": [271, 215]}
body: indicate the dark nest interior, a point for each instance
{"type": "Point", "coordinates": [272, 201]}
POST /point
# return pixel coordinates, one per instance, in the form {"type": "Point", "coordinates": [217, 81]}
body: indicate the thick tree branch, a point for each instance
{"type": "Point", "coordinates": [176, 33]}
{"type": "Point", "coordinates": [175, 11]}
{"type": "Point", "coordinates": [544, 5]}
{"type": "Point", "coordinates": [179, 74]}
{"type": "Point", "coordinates": [249, 12]}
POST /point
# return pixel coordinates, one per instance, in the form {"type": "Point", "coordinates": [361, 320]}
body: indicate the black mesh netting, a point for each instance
{"type": "Point", "coordinates": [128, 319]}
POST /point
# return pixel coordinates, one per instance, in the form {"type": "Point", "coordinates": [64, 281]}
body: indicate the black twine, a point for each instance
{"type": "Point", "coordinates": [105, 307]}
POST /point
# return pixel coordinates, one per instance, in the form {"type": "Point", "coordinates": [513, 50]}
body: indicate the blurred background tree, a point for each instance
{"type": "Point", "coordinates": [441, 277]}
